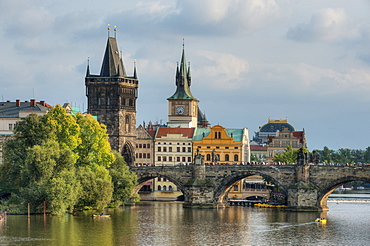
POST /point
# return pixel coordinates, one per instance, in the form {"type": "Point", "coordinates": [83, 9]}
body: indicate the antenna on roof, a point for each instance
{"type": "Point", "coordinates": [108, 30]}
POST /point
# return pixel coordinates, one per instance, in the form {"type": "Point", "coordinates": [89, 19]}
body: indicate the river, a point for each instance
{"type": "Point", "coordinates": [162, 223]}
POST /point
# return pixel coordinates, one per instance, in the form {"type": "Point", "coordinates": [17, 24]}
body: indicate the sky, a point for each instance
{"type": "Point", "coordinates": [305, 61]}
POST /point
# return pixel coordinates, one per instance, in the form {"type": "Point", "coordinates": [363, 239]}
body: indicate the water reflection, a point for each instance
{"type": "Point", "coordinates": [169, 224]}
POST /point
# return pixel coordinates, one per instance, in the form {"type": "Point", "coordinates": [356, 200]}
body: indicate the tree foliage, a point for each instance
{"type": "Point", "coordinates": [124, 181]}
{"type": "Point", "coordinates": [344, 155]}
{"type": "Point", "coordinates": [288, 156]}
{"type": "Point", "coordinates": [63, 160]}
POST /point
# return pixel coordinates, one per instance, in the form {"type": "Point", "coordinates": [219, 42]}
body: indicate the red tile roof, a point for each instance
{"type": "Point", "coordinates": [258, 148]}
{"type": "Point", "coordinates": [186, 132]}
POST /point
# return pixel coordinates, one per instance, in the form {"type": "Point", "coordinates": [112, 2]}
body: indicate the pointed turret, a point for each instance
{"type": "Point", "coordinates": [189, 75]}
{"type": "Point", "coordinates": [112, 65]}
{"type": "Point", "coordinates": [135, 73]}
{"type": "Point", "coordinates": [183, 80]}
{"type": "Point", "coordinates": [88, 68]}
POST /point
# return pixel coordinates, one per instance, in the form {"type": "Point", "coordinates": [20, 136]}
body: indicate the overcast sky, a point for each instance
{"type": "Point", "coordinates": [307, 61]}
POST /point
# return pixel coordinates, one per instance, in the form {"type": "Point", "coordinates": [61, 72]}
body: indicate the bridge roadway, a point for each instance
{"type": "Point", "coordinates": [306, 187]}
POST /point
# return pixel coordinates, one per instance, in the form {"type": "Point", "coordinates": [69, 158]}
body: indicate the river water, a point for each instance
{"type": "Point", "coordinates": [161, 223]}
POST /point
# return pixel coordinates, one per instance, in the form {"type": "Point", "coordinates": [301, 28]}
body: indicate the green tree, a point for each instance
{"type": "Point", "coordinates": [59, 158]}
{"type": "Point", "coordinates": [288, 156]}
{"type": "Point", "coordinates": [124, 181]}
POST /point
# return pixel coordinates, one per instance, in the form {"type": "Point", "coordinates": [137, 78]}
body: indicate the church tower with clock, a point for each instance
{"type": "Point", "coordinates": [182, 105]}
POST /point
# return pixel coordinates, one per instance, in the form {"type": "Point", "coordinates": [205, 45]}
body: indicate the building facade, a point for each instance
{"type": "Point", "coordinates": [12, 112]}
{"type": "Point", "coordinates": [111, 96]}
{"type": "Point", "coordinates": [220, 145]}
{"type": "Point", "coordinates": [277, 135]}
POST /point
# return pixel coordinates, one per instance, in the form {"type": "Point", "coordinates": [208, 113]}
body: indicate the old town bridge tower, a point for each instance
{"type": "Point", "coordinates": [111, 96]}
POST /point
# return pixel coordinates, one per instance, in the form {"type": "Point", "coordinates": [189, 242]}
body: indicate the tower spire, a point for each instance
{"type": "Point", "coordinates": [183, 79]}
{"type": "Point", "coordinates": [135, 73]}
{"type": "Point", "coordinates": [88, 67]}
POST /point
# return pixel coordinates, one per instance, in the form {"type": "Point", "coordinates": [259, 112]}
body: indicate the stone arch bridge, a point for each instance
{"type": "Point", "coordinates": [305, 186]}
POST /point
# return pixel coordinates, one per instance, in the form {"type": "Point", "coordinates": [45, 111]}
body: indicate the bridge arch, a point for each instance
{"type": "Point", "coordinates": [328, 188]}
{"type": "Point", "coordinates": [224, 186]}
{"type": "Point", "coordinates": [143, 178]}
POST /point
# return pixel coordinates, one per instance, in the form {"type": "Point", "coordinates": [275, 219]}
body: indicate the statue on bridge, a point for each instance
{"type": "Point", "coordinates": [302, 157]}
{"type": "Point", "coordinates": [214, 156]}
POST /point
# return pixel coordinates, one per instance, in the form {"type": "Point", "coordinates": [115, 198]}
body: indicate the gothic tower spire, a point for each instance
{"type": "Point", "coordinates": [111, 96]}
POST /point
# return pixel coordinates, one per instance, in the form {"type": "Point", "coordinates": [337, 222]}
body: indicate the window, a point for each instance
{"type": "Point", "coordinates": [144, 146]}
{"type": "Point", "coordinates": [189, 149]}
{"type": "Point", "coordinates": [148, 155]}
{"type": "Point", "coordinates": [217, 135]}
{"type": "Point", "coordinates": [285, 143]}
{"type": "Point", "coordinates": [170, 158]}
{"type": "Point", "coordinates": [189, 159]}
{"type": "Point", "coordinates": [148, 145]}
{"type": "Point", "coordinates": [235, 188]}
{"type": "Point", "coordinates": [164, 158]}
{"type": "Point", "coordinates": [183, 159]}
{"type": "Point", "coordinates": [159, 179]}
{"type": "Point", "coordinates": [144, 155]}
{"type": "Point", "coordinates": [140, 146]}
{"type": "Point", "coordinates": [236, 147]}
{"type": "Point", "coordinates": [178, 149]}
{"type": "Point", "coordinates": [178, 159]}
{"type": "Point", "coordinates": [226, 147]}
{"type": "Point", "coordinates": [277, 143]}
{"type": "Point", "coordinates": [183, 149]}
{"type": "Point", "coordinates": [208, 157]}
{"type": "Point", "coordinates": [159, 158]}
{"type": "Point", "coordinates": [169, 149]}
{"type": "Point", "coordinates": [108, 101]}
{"type": "Point", "coordinates": [226, 157]}
{"type": "Point", "coordinates": [159, 187]}
{"type": "Point", "coordinates": [170, 188]}
{"type": "Point", "coordinates": [236, 158]}
{"type": "Point", "coordinates": [140, 155]}
{"type": "Point", "coordinates": [164, 149]}
{"type": "Point", "coordinates": [208, 147]}
{"type": "Point", "coordinates": [164, 188]}
{"type": "Point", "coordinates": [159, 149]}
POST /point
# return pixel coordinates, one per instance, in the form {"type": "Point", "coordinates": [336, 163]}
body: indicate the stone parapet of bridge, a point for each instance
{"type": "Point", "coordinates": [306, 187]}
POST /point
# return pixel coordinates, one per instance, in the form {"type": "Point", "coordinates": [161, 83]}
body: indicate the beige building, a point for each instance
{"type": "Point", "coordinates": [144, 154]}
{"type": "Point", "coordinates": [12, 112]}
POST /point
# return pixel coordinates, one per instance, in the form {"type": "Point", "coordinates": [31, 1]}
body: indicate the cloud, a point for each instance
{"type": "Point", "coordinates": [226, 71]}
{"type": "Point", "coordinates": [306, 82]}
{"type": "Point", "coordinates": [326, 25]}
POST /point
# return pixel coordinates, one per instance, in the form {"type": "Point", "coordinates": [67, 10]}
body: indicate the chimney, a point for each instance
{"type": "Point", "coordinates": [42, 103]}
{"type": "Point", "coordinates": [33, 103]}
{"type": "Point", "coordinates": [17, 103]}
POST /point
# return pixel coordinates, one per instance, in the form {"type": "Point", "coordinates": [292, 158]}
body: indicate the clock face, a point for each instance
{"type": "Point", "coordinates": [180, 110]}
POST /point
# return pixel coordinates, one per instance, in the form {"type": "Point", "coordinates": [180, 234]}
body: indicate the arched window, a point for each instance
{"type": "Point", "coordinates": [208, 158]}
{"type": "Point", "coordinates": [159, 187]}
{"type": "Point", "coordinates": [226, 157]}
{"type": "Point", "coordinates": [236, 158]}
{"type": "Point", "coordinates": [164, 188]}
{"type": "Point", "coordinates": [170, 188]}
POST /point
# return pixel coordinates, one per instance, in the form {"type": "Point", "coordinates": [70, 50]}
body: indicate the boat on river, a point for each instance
{"type": "Point", "coordinates": [101, 215]}
{"type": "Point", "coordinates": [321, 220]}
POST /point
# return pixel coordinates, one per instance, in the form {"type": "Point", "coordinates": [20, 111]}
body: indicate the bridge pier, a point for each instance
{"type": "Point", "coordinates": [199, 191]}
{"type": "Point", "coordinates": [302, 196]}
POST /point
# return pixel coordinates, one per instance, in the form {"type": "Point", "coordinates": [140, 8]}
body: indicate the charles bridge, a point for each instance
{"type": "Point", "coordinates": [305, 186]}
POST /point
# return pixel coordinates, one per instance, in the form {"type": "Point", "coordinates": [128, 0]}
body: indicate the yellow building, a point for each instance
{"type": "Point", "coordinates": [220, 145]}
